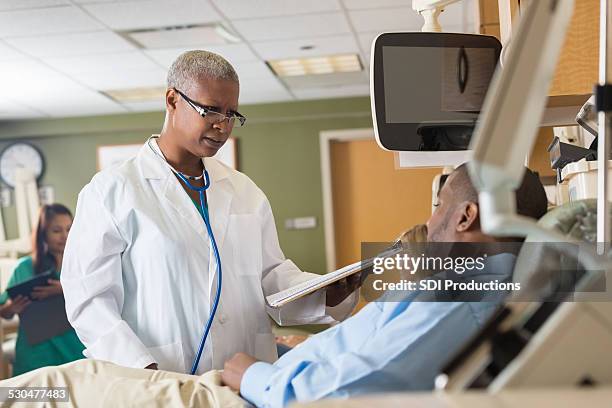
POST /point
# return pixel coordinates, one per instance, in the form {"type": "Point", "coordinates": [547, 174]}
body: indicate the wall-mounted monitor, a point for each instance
{"type": "Point", "coordinates": [427, 90]}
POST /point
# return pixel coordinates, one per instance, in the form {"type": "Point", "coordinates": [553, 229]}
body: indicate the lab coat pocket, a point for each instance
{"type": "Point", "coordinates": [169, 357]}
{"type": "Point", "coordinates": [244, 231]}
{"type": "Point", "coordinates": [265, 347]}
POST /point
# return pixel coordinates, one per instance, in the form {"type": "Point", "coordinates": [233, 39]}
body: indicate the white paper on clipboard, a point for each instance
{"type": "Point", "coordinates": [298, 291]}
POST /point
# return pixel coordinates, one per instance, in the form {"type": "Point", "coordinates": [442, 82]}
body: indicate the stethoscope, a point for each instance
{"type": "Point", "coordinates": [204, 212]}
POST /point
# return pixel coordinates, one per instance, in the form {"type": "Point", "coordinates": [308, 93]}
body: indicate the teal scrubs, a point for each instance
{"type": "Point", "coordinates": [58, 350]}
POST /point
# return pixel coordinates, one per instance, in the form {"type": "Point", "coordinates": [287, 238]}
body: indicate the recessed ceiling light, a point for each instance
{"type": "Point", "coordinates": [316, 65]}
{"type": "Point", "coordinates": [136, 94]}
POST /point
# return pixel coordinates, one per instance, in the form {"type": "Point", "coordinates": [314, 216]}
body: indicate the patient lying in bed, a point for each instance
{"type": "Point", "coordinates": [387, 346]}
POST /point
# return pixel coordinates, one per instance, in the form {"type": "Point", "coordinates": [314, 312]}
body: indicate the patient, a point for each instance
{"type": "Point", "coordinates": [387, 346]}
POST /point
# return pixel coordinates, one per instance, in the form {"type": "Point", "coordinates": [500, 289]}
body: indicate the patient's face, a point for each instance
{"type": "Point", "coordinates": [439, 228]}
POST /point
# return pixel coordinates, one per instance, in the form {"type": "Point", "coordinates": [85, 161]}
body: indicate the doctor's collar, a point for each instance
{"type": "Point", "coordinates": [153, 165]}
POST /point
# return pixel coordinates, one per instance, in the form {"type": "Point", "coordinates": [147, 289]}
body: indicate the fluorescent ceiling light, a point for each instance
{"type": "Point", "coordinates": [136, 94]}
{"type": "Point", "coordinates": [316, 65]}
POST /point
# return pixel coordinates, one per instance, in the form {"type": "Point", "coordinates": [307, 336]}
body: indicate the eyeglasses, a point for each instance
{"type": "Point", "coordinates": [233, 118]}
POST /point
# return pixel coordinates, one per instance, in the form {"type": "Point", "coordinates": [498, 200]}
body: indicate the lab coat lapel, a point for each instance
{"type": "Point", "coordinates": [153, 167]}
{"type": "Point", "coordinates": [177, 198]}
{"type": "Point", "coordinates": [219, 197]}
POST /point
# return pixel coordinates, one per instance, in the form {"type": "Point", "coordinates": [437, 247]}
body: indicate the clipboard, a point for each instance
{"type": "Point", "coordinates": [44, 319]}
{"type": "Point", "coordinates": [25, 288]}
{"type": "Point", "coordinates": [300, 290]}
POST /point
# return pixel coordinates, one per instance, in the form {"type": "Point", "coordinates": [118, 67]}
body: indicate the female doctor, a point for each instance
{"type": "Point", "coordinates": [173, 246]}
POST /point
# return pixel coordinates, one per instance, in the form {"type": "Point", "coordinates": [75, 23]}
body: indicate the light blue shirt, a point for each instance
{"type": "Point", "coordinates": [387, 346]}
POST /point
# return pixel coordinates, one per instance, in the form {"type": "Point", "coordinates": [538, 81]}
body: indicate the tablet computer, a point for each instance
{"type": "Point", "coordinates": [25, 288]}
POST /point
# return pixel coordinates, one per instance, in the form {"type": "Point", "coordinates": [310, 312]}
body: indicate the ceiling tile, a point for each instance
{"type": "Point", "coordinates": [332, 92]}
{"type": "Point", "coordinates": [461, 15]}
{"type": "Point", "coordinates": [13, 110]}
{"type": "Point", "coordinates": [366, 40]}
{"type": "Point", "coordinates": [29, 79]}
{"type": "Point", "coordinates": [8, 53]}
{"type": "Point", "coordinates": [269, 90]}
{"type": "Point", "coordinates": [253, 70]}
{"type": "Point", "coordinates": [386, 19]}
{"type": "Point", "coordinates": [123, 79]}
{"type": "Point", "coordinates": [271, 50]}
{"type": "Point", "coordinates": [184, 37]}
{"type": "Point", "coordinates": [153, 13]}
{"type": "Point", "coordinates": [53, 20]}
{"type": "Point", "coordinates": [29, 4]}
{"type": "Point", "coordinates": [51, 93]}
{"type": "Point", "coordinates": [104, 63]}
{"type": "Point", "coordinates": [234, 53]}
{"type": "Point", "coordinates": [150, 106]}
{"type": "Point", "coordinates": [369, 4]}
{"type": "Point", "coordinates": [326, 80]}
{"type": "Point", "coordinates": [239, 9]}
{"type": "Point", "coordinates": [78, 103]}
{"type": "Point", "coordinates": [65, 45]}
{"type": "Point", "coordinates": [291, 27]}
{"type": "Point", "coordinates": [105, 1]}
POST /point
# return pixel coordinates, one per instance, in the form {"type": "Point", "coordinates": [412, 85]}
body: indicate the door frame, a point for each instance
{"type": "Point", "coordinates": [325, 139]}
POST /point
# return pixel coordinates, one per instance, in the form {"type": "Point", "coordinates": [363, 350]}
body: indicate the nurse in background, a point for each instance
{"type": "Point", "coordinates": [140, 273]}
{"type": "Point", "coordinates": [49, 241]}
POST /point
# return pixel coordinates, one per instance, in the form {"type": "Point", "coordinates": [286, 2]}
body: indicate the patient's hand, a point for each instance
{"type": "Point", "coordinates": [337, 292]}
{"type": "Point", "coordinates": [235, 368]}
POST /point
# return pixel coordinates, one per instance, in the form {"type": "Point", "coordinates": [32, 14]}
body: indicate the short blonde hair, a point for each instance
{"type": "Point", "coordinates": [191, 66]}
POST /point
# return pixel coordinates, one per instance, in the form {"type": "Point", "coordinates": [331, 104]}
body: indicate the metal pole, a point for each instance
{"type": "Point", "coordinates": [603, 147]}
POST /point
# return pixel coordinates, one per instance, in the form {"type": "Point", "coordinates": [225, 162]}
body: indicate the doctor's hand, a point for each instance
{"type": "Point", "coordinates": [234, 370]}
{"type": "Point", "coordinates": [337, 292]}
{"type": "Point", "coordinates": [43, 292]}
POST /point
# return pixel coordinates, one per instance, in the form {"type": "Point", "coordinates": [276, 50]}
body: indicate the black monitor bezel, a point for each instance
{"type": "Point", "coordinates": [395, 132]}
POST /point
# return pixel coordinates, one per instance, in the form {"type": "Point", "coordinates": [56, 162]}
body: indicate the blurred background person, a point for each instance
{"type": "Point", "coordinates": [49, 239]}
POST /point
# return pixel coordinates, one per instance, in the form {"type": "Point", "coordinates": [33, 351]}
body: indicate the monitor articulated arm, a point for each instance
{"type": "Point", "coordinates": [430, 10]}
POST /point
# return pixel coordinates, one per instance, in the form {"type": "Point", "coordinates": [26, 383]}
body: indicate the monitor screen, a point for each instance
{"type": "Point", "coordinates": [428, 88]}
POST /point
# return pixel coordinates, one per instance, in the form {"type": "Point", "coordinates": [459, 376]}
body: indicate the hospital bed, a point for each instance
{"type": "Point", "coordinates": [541, 350]}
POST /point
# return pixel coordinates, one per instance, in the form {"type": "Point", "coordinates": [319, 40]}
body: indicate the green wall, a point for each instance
{"type": "Point", "coordinates": [278, 149]}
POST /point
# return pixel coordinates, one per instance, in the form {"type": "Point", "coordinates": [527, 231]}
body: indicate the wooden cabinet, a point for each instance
{"type": "Point", "coordinates": [577, 71]}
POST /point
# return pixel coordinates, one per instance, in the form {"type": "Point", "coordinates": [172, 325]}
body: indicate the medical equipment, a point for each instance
{"type": "Point", "coordinates": [562, 153]}
{"type": "Point", "coordinates": [203, 209]}
{"type": "Point", "coordinates": [511, 116]}
{"type": "Point", "coordinates": [537, 343]}
{"type": "Point", "coordinates": [427, 90]}
{"type": "Point", "coordinates": [581, 179]}
{"type": "Point", "coordinates": [587, 117]}
{"type": "Point", "coordinates": [430, 10]}
{"type": "Point", "coordinates": [558, 330]}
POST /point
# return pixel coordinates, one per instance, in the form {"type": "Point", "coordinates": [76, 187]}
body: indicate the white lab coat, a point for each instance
{"type": "Point", "coordinates": [138, 265]}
